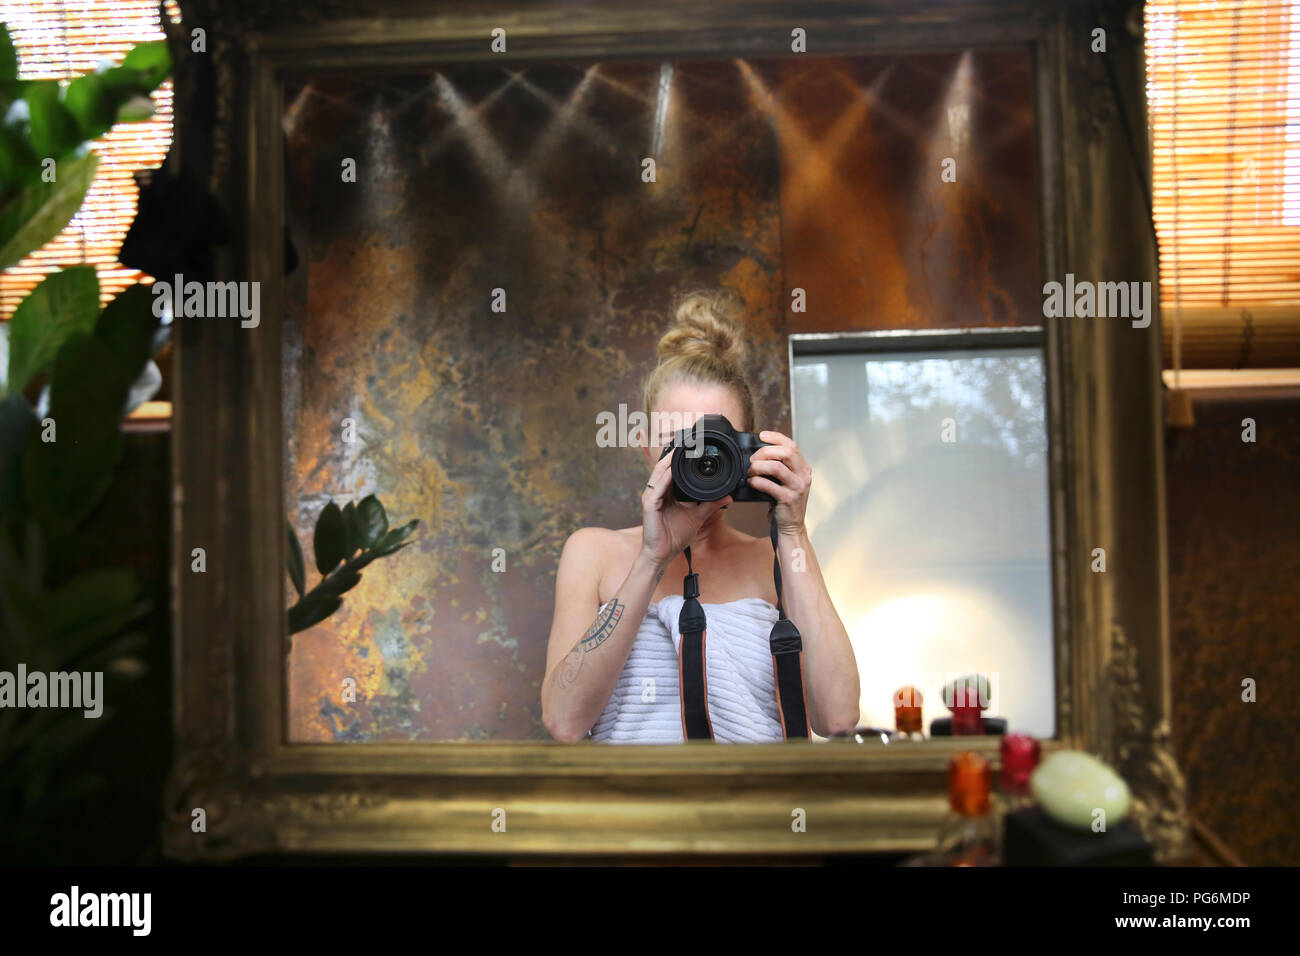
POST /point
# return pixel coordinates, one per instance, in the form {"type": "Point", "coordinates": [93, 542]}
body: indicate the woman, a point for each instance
{"type": "Point", "coordinates": [619, 681]}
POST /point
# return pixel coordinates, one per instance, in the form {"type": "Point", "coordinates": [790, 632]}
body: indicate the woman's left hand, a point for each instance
{"type": "Point", "coordinates": [780, 461]}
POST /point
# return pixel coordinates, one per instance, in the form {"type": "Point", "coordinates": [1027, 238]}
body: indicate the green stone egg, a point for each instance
{"type": "Point", "coordinates": [1070, 785]}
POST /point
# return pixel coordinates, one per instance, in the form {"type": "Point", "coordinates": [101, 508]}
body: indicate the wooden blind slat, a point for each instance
{"type": "Point", "coordinates": [61, 39]}
{"type": "Point", "coordinates": [1223, 103]}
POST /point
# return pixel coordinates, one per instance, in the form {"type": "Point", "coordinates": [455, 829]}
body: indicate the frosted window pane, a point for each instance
{"type": "Point", "coordinates": [929, 515]}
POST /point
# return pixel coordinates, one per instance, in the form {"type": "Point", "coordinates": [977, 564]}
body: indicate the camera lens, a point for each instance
{"type": "Point", "coordinates": [713, 469]}
{"type": "Point", "coordinates": [708, 463]}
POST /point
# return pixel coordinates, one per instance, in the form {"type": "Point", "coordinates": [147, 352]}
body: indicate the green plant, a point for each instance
{"type": "Point", "coordinates": [45, 162]}
{"type": "Point", "coordinates": [345, 541]}
{"type": "Point", "coordinates": [66, 374]}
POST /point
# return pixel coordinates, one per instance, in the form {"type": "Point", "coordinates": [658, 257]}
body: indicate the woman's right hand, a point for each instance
{"type": "Point", "coordinates": [668, 526]}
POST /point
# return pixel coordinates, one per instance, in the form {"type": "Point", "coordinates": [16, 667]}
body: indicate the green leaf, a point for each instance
{"type": "Point", "coordinates": [110, 647]}
{"type": "Point", "coordinates": [85, 618]}
{"type": "Point", "coordinates": [40, 211]}
{"type": "Point", "coordinates": [90, 101]}
{"type": "Point", "coordinates": [351, 530]}
{"type": "Point", "coordinates": [8, 65]}
{"type": "Point", "coordinates": [339, 582]}
{"type": "Point", "coordinates": [329, 540]}
{"type": "Point", "coordinates": [21, 572]}
{"type": "Point", "coordinates": [312, 610]}
{"type": "Point", "coordinates": [64, 479]}
{"type": "Point", "coordinates": [361, 560]}
{"type": "Point", "coordinates": [64, 733]}
{"type": "Point", "coordinates": [17, 421]}
{"type": "Point", "coordinates": [18, 164]}
{"type": "Point", "coordinates": [396, 535]}
{"type": "Point", "coordinates": [294, 560]}
{"type": "Point", "coordinates": [127, 327]}
{"type": "Point", "coordinates": [374, 520]}
{"type": "Point", "coordinates": [89, 597]}
{"type": "Point", "coordinates": [53, 129]}
{"type": "Point", "coordinates": [64, 304]}
{"type": "Point", "coordinates": [151, 60]}
{"type": "Point", "coordinates": [385, 552]}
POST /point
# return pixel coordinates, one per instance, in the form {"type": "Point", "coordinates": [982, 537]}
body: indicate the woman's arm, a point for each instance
{"type": "Point", "coordinates": [830, 668]}
{"type": "Point", "coordinates": [581, 675]}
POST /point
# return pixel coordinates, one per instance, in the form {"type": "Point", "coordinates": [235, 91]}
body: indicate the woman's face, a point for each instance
{"type": "Point", "coordinates": [679, 406]}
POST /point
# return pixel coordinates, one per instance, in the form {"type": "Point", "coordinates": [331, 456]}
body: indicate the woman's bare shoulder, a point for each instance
{"type": "Point", "coordinates": [603, 542]}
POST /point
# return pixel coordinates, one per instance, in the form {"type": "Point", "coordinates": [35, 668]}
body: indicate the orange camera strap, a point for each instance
{"type": "Point", "coordinates": [787, 658]}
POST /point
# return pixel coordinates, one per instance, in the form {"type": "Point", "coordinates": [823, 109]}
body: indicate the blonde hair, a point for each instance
{"type": "Point", "coordinates": [705, 345]}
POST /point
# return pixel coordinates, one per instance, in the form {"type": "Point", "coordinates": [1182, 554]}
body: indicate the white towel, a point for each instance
{"type": "Point", "coordinates": [645, 707]}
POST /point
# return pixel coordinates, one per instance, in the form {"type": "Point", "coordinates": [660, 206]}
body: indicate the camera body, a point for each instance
{"type": "Point", "coordinates": [711, 461]}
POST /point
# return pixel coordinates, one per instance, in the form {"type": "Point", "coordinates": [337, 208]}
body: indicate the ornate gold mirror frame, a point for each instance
{"type": "Point", "coordinates": [258, 794]}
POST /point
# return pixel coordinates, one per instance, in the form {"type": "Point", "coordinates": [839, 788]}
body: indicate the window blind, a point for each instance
{"type": "Point", "coordinates": [1223, 104]}
{"type": "Point", "coordinates": [61, 39]}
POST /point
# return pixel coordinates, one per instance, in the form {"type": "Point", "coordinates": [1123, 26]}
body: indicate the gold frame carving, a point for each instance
{"type": "Point", "coordinates": [260, 795]}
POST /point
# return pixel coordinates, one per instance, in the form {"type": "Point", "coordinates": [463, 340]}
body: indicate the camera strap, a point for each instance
{"type": "Point", "coordinates": [787, 658]}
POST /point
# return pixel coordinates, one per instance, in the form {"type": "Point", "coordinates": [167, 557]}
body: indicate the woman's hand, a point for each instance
{"type": "Point", "coordinates": [668, 526]}
{"type": "Point", "coordinates": [781, 460]}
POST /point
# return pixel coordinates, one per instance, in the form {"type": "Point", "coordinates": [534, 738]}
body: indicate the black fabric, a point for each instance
{"type": "Point", "coordinates": [785, 637]}
{"type": "Point", "coordinates": [787, 657]}
{"type": "Point", "coordinates": [690, 625]}
{"type": "Point", "coordinates": [776, 563]}
{"type": "Point", "coordinates": [789, 695]}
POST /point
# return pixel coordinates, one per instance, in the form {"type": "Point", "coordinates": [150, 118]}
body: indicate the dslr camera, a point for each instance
{"type": "Point", "coordinates": [711, 461]}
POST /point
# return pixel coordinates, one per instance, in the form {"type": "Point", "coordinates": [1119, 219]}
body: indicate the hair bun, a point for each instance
{"type": "Point", "coordinates": [706, 324]}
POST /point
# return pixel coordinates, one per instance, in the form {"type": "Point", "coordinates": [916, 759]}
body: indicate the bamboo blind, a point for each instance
{"type": "Point", "coordinates": [61, 39]}
{"type": "Point", "coordinates": [1223, 103]}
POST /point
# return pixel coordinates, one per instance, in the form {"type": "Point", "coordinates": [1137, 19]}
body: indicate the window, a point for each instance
{"type": "Point", "coordinates": [61, 39]}
{"type": "Point", "coordinates": [1223, 93]}
{"type": "Point", "coordinates": [929, 512]}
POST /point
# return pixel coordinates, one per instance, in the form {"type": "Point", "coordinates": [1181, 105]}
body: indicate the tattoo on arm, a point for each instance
{"type": "Point", "coordinates": [600, 631]}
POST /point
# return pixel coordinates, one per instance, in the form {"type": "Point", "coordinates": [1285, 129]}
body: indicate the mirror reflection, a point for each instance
{"type": "Point", "coordinates": [484, 266]}
{"type": "Point", "coordinates": [930, 514]}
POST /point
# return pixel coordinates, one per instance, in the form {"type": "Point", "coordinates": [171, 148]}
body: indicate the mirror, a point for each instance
{"type": "Point", "coordinates": [825, 172]}
{"type": "Point", "coordinates": [482, 259]}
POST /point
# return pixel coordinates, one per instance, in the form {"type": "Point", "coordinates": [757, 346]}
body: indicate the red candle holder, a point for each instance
{"type": "Point", "coordinates": [907, 710]}
{"type": "Point", "coordinates": [1020, 755]}
{"type": "Point", "coordinates": [967, 698]}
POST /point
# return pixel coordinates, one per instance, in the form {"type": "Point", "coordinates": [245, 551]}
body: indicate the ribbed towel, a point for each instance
{"type": "Point", "coordinates": [645, 707]}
